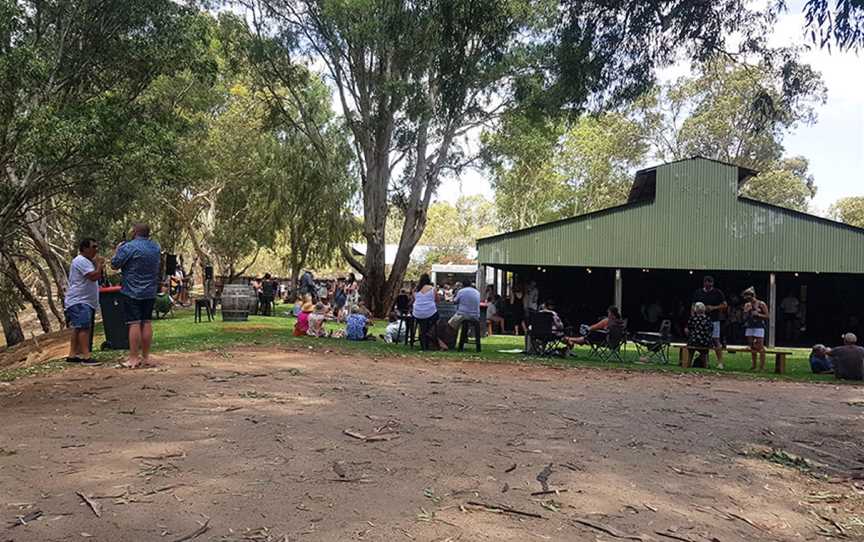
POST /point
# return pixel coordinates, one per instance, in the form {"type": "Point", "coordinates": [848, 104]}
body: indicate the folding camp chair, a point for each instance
{"type": "Point", "coordinates": [542, 340]}
{"type": "Point", "coordinates": [655, 346]}
{"type": "Point", "coordinates": [610, 344]}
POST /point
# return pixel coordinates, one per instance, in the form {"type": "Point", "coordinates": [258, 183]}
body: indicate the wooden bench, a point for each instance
{"type": "Point", "coordinates": [685, 354]}
{"type": "Point", "coordinates": [779, 356]}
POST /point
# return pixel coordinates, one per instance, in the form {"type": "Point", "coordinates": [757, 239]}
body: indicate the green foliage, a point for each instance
{"type": "Point", "coordinates": [740, 113]}
{"type": "Point", "coordinates": [547, 173]}
{"type": "Point", "coordinates": [843, 24]}
{"type": "Point", "coordinates": [453, 229]}
{"type": "Point", "coordinates": [849, 210]}
{"type": "Point", "coordinates": [732, 112]}
{"type": "Point", "coordinates": [72, 73]}
{"type": "Point", "coordinates": [788, 184]}
{"type": "Point", "coordinates": [596, 160]}
{"type": "Point", "coordinates": [520, 158]}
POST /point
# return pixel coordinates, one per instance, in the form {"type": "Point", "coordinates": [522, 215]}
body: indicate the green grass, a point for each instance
{"type": "Point", "coordinates": [8, 375]}
{"type": "Point", "coordinates": [180, 334]}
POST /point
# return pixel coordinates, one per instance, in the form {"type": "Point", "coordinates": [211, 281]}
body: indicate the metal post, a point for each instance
{"type": "Point", "coordinates": [434, 279]}
{"type": "Point", "coordinates": [772, 309]}
{"type": "Point", "coordinates": [496, 284]}
{"type": "Point", "coordinates": [619, 289]}
{"type": "Point", "coordinates": [481, 278]}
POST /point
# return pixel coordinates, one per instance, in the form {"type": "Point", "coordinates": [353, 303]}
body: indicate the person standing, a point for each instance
{"type": "Point", "coordinates": [139, 261]}
{"type": "Point", "coordinates": [352, 291]}
{"type": "Point", "coordinates": [790, 308]}
{"type": "Point", "coordinates": [517, 308]}
{"type": "Point", "coordinates": [756, 315]}
{"type": "Point", "coordinates": [268, 295]}
{"type": "Point", "coordinates": [82, 299]}
{"type": "Point", "coordinates": [425, 311]}
{"type": "Point", "coordinates": [307, 284]}
{"type": "Point", "coordinates": [531, 299]}
{"type": "Point", "coordinates": [715, 303]}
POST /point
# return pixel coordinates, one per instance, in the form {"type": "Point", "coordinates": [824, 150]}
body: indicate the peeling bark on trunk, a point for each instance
{"type": "Point", "coordinates": [55, 266]}
{"type": "Point", "coordinates": [15, 276]}
{"type": "Point", "coordinates": [46, 282]}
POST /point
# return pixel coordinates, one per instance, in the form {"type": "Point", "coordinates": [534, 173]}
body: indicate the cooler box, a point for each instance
{"type": "Point", "coordinates": [116, 332]}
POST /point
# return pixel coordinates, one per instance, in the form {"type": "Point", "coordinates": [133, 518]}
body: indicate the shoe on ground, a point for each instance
{"type": "Point", "coordinates": [73, 359]}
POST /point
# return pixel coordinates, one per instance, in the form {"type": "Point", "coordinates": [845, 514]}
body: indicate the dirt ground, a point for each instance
{"type": "Point", "coordinates": [255, 445]}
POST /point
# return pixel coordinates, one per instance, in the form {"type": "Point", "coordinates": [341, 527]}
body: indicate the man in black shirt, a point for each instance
{"type": "Point", "coordinates": [715, 304]}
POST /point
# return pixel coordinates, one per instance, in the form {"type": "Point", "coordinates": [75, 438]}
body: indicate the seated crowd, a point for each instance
{"type": "Point", "coordinates": [417, 311]}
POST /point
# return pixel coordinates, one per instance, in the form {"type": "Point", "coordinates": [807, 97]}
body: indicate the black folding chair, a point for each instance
{"type": "Point", "coordinates": [655, 346]}
{"type": "Point", "coordinates": [610, 345]}
{"type": "Point", "coordinates": [542, 339]}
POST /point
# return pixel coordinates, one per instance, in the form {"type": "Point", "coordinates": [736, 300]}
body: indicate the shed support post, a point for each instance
{"type": "Point", "coordinates": [772, 310]}
{"type": "Point", "coordinates": [619, 289]}
{"type": "Point", "coordinates": [481, 279]}
{"type": "Point", "coordinates": [434, 279]}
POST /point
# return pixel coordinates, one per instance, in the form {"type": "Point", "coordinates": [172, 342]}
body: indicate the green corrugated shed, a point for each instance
{"type": "Point", "coordinates": [686, 215]}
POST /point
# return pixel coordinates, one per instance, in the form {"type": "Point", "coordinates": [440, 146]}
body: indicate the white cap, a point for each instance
{"type": "Point", "coordinates": [850, 338]}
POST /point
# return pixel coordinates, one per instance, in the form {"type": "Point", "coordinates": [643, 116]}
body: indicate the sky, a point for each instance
{"type": "Point", "coordinates": [834, 144]}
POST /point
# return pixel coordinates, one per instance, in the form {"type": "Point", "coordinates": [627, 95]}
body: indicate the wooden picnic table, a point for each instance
{"type": "Point", "coordinates": [685, 354]}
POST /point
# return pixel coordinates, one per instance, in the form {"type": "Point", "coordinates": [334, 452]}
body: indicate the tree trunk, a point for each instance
{"type": "Point", "coordinates": [46, 281]}
{"type": "Point", "coordinates": [14, 275]}
{"type": "Point", "coordinates": [203, 258]}
{"type": "Point", "coordinates": [374, 279]}
{"type": "Point", "coordinates": [55, 266]}
{"type": "Point", "coordinates": [375, 210]}
{"type": "Point", "coordinates": [11, 328]}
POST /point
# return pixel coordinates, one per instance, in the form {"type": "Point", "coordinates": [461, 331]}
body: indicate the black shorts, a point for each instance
{"type": "Point", "coordinates": [137, 310]}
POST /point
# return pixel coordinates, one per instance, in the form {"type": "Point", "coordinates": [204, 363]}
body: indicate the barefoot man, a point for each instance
{"type": "Point", "coordinates": [138, 259]}
{"type": "Point", "coordinates": [82, 298]}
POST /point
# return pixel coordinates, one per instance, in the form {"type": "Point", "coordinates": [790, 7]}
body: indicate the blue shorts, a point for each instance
{"type": "Point", "coordinates": [136, 311]}
{"type": "Point", "coordinates": [80, 316]}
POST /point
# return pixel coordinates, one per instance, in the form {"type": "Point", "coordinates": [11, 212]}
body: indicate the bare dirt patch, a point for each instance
{"type": "Point", "coordinates": [293, 445]}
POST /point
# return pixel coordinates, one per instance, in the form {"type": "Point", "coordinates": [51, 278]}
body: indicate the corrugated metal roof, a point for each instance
{"type": "Point", "coordinates": [696, 221]}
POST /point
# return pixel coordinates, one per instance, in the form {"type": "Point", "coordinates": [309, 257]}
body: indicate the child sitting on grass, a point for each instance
{"type": "Point", "coordinates": [301, 328]}
{"type": "Point", "coordinates": [316, 321]}
{"type": "Point", "coordinates": [395, 331]}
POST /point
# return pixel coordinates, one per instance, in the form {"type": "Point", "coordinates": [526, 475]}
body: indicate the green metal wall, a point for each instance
{"type": "Point", "coordinates": [697, 221]}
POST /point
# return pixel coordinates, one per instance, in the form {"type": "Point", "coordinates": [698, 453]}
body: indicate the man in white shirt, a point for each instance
{"type": "Point", "coordinates": [82, 299]}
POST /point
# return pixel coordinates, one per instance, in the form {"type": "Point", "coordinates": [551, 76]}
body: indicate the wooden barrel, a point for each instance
{"type": "Point", "coordinates": [237, 301]}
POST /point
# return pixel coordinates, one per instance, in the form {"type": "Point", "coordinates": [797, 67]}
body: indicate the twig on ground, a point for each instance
{"type": "Point", "coordinates": [196, 533]}
{"type": "Point", "coordinates": [834, 523]}
{"type": "Point", "coordinates": [608, 530]}
{"type": "Point", "coordinates": [511, 468]}
{"type": "Point", "coordinates": [745, 520]}
{"type": "Point", "coordinates": [674, 536]}
{"type": "Point", "coordinates": [371, 438]}
{"type": "Point", "coordinates": [504, 509]}
{"type": "Point", "coordinates": [96, 507]}
{"type": "Point", "coordinates": [25, 519]}
{"type": "Point", "coordinates": [160, 457]}
{"type": "Point", "coordinates": [548, 492]}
